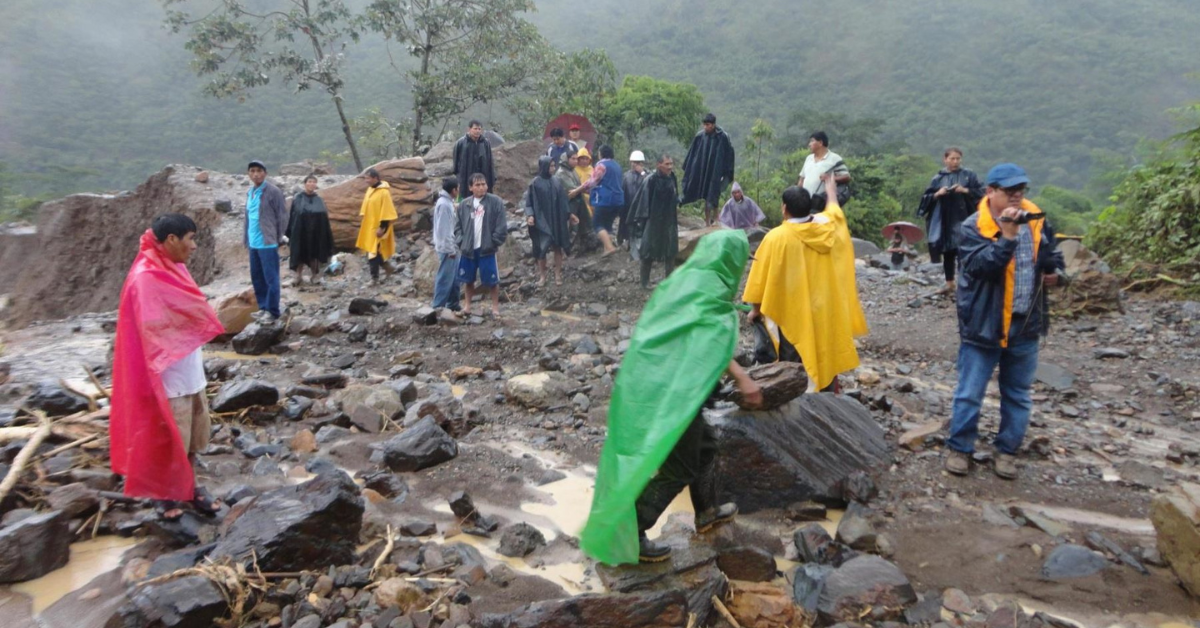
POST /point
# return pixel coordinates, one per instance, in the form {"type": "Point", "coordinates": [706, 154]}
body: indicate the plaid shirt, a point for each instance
{"type": "Point", "coordinates": [1025, 275]}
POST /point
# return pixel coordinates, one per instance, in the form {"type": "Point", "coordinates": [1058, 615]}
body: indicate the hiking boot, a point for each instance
{"type": "Point", "coordinates": [958, 462]}
{"type": "Point", "coordinates": [651, 552]}
{"type": "Point", "coordinates": [1006, 466]}
{"type": "Point", "coordinates": [724, 513]}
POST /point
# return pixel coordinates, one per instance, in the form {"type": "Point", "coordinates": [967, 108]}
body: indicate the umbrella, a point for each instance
{"type": "Point", "coordinates": [587, 132]}
{"type": "Point", "coordinates": [912, 233]}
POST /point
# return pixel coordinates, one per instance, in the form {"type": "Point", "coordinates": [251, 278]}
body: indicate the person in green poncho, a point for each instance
{"type": "Point", "coordinates": [658, 442]}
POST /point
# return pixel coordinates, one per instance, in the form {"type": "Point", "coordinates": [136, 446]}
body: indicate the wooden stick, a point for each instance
{"type": "Point", "coordinates": [92, 405]}
{"type": "Point", "coordinates": [96, 382]}
{"type": "Point", "coordinates": [720, 606]}
{"type": "Point", "coordinates": [22, 459]}
{"type": "Point", "coordinates": [387, 550]}
{"type": "Point", "coordinates": [71, 445]}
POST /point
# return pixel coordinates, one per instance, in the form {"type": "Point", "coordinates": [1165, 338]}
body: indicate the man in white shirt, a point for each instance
{"type": "Point", "coordinates": [819, 161]}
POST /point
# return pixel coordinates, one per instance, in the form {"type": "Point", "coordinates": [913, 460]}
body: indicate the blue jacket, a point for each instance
{"type": "Point", "coordinates": [610, 191]}
{"type": "Point", "coordinates": [985, 280]}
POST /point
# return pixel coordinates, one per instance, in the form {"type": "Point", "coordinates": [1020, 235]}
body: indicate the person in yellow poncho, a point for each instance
{"type": "Point", "coordinates": [585, 237]}
{"type": "Point", "coordinates": [803, 280]}
{"type": "Point", "coordinates": [375, 234]}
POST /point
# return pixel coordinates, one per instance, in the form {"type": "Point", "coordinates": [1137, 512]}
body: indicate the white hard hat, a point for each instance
{"type": "Point", "coordinates": [637, 156]}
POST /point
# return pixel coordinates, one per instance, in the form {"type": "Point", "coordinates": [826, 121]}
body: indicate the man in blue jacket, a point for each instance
{"type": "Point", "coordinates": [266, 221]}
{"type": "Point", "coordinates": [1007, 256]}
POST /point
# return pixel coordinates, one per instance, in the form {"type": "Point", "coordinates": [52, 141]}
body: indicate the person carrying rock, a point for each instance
{"type": "Point", "coordinates": [480, 229]}
{"type": "Point", "coordinates": [473, 155]}
{"type": "Point", "coordinates": [309, 236]}
{"type": "Point", "coordinates": [800, 280]}
{"type": "Point", "coordinates": [445, 285]}
{"type": "Point", "coordinates": [549, 218]}
{"type": "Point", "coordinates": [1007, 255]}
{"type": "Point", "coordinates": [707, 167]}
{"type": "Point", "coordinates": [654, 218]}
{"type": "Point", "coordinates": [159, 418]}
{"type": "Point", "coordinates": [376, 235]}
{"type": "Point", "coordinates": [658, 441]}
{"type": "Point", "coordinates": [266, 222]}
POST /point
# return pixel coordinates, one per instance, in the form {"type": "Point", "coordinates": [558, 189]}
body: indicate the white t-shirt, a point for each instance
{"type": "Point", "coordinates": [813, 169]}
{"type": "Point", "coordinates": [477, 216]}
{"type": "Point", "coordinates": [185, 377]}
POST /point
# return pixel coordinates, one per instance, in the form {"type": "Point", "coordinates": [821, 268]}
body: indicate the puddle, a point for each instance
{"type": "Point", "coordinates": [571, 576]}
{"type": "Point", "coordinates": [1141, 527]}
{"type": "Point", "coordinates": [88, 560]}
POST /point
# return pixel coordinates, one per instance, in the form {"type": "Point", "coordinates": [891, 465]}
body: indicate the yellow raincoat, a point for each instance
{"type": "Point", "coordinates": [377, 207]}
{"type": "Point", "coordinates": [585, 175]}
{"type": "Point", "coordinates": [802, 282]}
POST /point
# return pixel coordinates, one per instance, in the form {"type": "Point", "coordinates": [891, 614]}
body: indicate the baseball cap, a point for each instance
{"type": "Point", "coordinates": [256, 163]}
{"type": "Point", "coordinates": [574, 127]}
{"type": "Point", "coordinates": [1006, 176]}
{"type": "Point", "coordinates": [637, 156]}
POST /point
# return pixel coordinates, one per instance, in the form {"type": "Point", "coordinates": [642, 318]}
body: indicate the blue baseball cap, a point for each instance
{"type": "Point", "coordinates": [1006, 176]}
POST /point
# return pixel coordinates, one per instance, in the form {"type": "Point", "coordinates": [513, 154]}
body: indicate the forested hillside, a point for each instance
{"type": "Point", "coordinates": [96, 94]}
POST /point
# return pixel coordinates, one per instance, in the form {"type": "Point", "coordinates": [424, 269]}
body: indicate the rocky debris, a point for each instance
{"type": "Point", "coordinates": [808, 581]}
{"type": "Point", "coordinates": [307, 526]}
{"type": "Point", "coordinates": [751, 564]}
{"type": "Point", "coordinates": [762, 605]}
{"type": "Point", "coordinates": [187, 602]}
{"type": "Point", "coordinates": [245, 393]}
{"type": "Point", "coordinates": [806, 450]}
{"type": "Point", "coordinates": [420, 446]}
{"type": "Point", "coordinates": [520, 539]}
{"type": "Point", "coordinates": [781, 382]}
{"type": "Point", "coordinates": [814, 545]}
{"type": "Point", "coordinates": [1092, 289]}
{"type": "Point", "coordinates": [410, 194]}
{"type": "Point", "coordinates": [236, 311]}
{"type": "Point", "coordinates": [1101, 543]}
{"type": "Point", "coordinates": [34, 546]}
{"type": "Point", "coordinates": [74, 500]}
{"type": "Point", "coordinates": [856, 530]}
{"type": "Point", "coordinates": [914, 438]}
{"type": "Point", "coordinates": [1110, 353]}
{"type": "Point", "coordinates": [364, 306]}
{"type": "Point", "coordinates": [688, 238]}
{"type": "Point", "coordinates": [70, 270]}
{"type": "Point", "coordinates": [666, 609]}
{"type": "Point", "coordinates": [55, 400]}
{"type": "Point", "coordinates": [258, 337]}
{"type": "Point", "coordinates": [865, 585]}
{"type": "Point", "coordinates": [1072, 561]}
{"type": "Point", "coordinates": [370, 407]}
{"type": "Point", "coordinates": [469, 518]}
{"type": "Point", "coordinates": [538, 390]}
{"type": "Point", "coordinates": [1176, 518]}
{"type": "Point", "coordinates": [1054, 376]}
{"type": "Point", "coordinates": [305, 168]}
{"type": "Point", "coordinates": [864, 248]}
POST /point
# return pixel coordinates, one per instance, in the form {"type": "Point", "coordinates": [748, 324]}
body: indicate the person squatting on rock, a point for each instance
{"type": "Point", "coordinates": [376, 235]}
{"type": "Point", "coordinates": [549, 218]}
{"type": "Point", "coordinates": [1007, 255]}
{"type": "Point", "coordinates": [310, 238]}
{"type": "Point", "coordinates": [803, 279]}
{"type": "Point", "coordinates": [473, 155]}
{"type": "Point", "coordinates": [631, 183]}
{"type": "Point", "coordinates": [707, 167]}
{"type": "Point", "coordinates": [159, 418]}
{"type": "Point", "coordinates": [481, 228]}
{"type": "Point", "coordinates": [953, 194]}
{"type": "Point", "coordinates": [445, 285]}
{"type": "Point", "coordinates": [607, 197]}
{"type": "Point", "coordinates": [266, 221]}
{"type": "Point", "coordinates": [658, 442]}
{"type": "Point", "coordinates": [740, 211]}
{"type": "Point", "coordinates": [654, 218]}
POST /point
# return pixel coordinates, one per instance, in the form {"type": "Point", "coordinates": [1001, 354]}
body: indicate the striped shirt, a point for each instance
{"type": "Point", "coordinates": [1025, 275]}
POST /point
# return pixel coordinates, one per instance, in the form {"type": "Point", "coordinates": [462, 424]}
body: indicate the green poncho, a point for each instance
{"type": "Point", "coordinates": [682, 344]}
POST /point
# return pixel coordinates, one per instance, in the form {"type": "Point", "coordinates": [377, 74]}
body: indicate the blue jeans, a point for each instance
{"type": "Point", "coordinates": [445, 286]}
{"type": "Point", "coordinates": [1018, 363]}
{"type": "Point", "coordinates": [264, 274]}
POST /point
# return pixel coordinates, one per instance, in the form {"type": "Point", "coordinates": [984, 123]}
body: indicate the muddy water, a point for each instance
{"type": "Point", "coordinates": [88, 560]}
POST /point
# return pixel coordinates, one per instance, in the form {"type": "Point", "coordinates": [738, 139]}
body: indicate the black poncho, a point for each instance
{"type": "Point", "coordinates": [707, 167]}
{"type": "Point", "coordinates": [547, 202]}
{"type": "Point", "coordinates": [654, 216]}
{"type": "Point", "coordinates": [473, 157]}
{"type": "Point", "coordinates": [309, 236]}
{"type": "Point", "coordinates": [943, 216]}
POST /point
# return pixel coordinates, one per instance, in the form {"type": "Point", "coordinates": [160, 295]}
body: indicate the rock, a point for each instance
{"type": "Point", "coordinates": [180, 559]}
{"type": "Point", "coordinates": [688, 239]}
{"type": "Point", "coordinates": [806, 450]}
{"type": "Point", "coordinates": [861, 584]}
{"type": "Point", "coordinates": [1100, 543]}
{"type": "Point", "coordinates": [538, 390]}
{"type": "Point", "coordinates": [807, 583]}
{"type": "Point", "coordinates": [762, 605]}
{"type": "Point", "coordinates": [1037, 520]}
{"type": "Point", "coordinates": [370, 406]}
{"type": "Point", "coordinates": [406, 388]}
{"type": "Point", "coordinates": [807, 511]}
{"type": "Point", "coordinates": [344, 361]}
{"type": "Point", "coordinates": [50, 397]}
{"type": "Point", "coordinates": [331, 433]}
{"type": "Point", "coordinates": [399, 593]}
{"type": "Point", "coordinates": [258, 337]}
{"type": "Point", "coordinates": [520, 539]}
{"type": "Point", "coordinates": [956, 601]}
{"type": "Point", "coordinates": [1176, 518]}
{"type": "Point", "coordinates": [581, 401]}
{"type": "Point", "coordinates": [996, 516]}
{"type": "Point", "coordinates": [1054, 376]}
{"type": "Point", "coordinates": [814, 545]}
{"type": "Point", "coordinates": [345, 199]}
{"type": "Point", "coordinates": [307, 526]}
{"type": "Point", "coordinates": [34, 546]}
{"type": "Point", "coordinates": [201, 177]}
{"type": "Point", "coordinates": [187, 602]}
{"type": "Point", "coordinates": [236, 311]}
{"type": "Point", "coordinates": [781, 382]}
{"type": "Point", "coordinates": [587, 346]}
{"type": "Point", "coordinates": [418, 528]}
{"type": "Point", "coordinates": [385, 483]}
{"type": "Point", "coordinates": [856, 530]}
{"type": "Point", "coordinates": [751, 564]}
{"type": "Point", "coordinates": [1105, 353]}
{"type": "Point", "coordinates": [305, 168]}
{"type": "Point", "coordinates": [327, 379]}
{"type": "Point", "coordinates": [928, 611]}
{"type": "Point", "coordinates": [304, 442]}
{"type": "Point", "coordinates": [1072, 561]}
{"type": "Point", "coordinates": [864, 248]}
{"type": "Point", "coordinates": [469, 516]}
{"type": "Point", "coordinates": [665, 609]}
{"type": "Point", "coordinates": [295, 408]}
{"type": "Point", "coordinates": [914, 439]}
{"type": "Point", "coordinates": [74, 500]}
{"type": "Point", "coordinates": [245, 393]}
{"type": "Point", "coordinates": [419, 447]}
{"type": "Point", "coordinates": [425, 315]}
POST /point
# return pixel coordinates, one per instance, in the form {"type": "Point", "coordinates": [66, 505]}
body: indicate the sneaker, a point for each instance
{"type": "Point", "coordinates": [958, 462]}
{"type": "Point", "coordinates": [1006, 466]}
{"type": "Point", "coordinates": [712, 517]}
{"type": "Point", "coordinates": [261, 315]}
{"type": "Point", "coordinates": [651, 552]}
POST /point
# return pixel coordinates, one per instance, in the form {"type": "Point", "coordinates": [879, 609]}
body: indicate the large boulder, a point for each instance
{"type": "Point", "coordinates": [187, 602]}
{"type": "Point", "coordinates": [34, 546]}
{"type": "Point", "coordinates": [1176, 518]}
{"type": "Point", "coordinates": [236, 311]}
{"type": "Point", "coordinates": [419, 447]}
{"type": "Point", "coordinates": [425, 272]}
{"type": "Point", "coordinates": [84, 244]}
{"type": "Point", "coordinates": [805, 450]}
{"type": "Point", "coordinates": [688, 239]}
{"type": "Point", "coordinates": [244, 393]}
{"type": "Point", "coordinates": [305, 168]}
{"type": "Point", "coordinates": [307, 526]}
{"type": "Point", "coordinates": [638, 610]}
{"type": "Point", "coordinates": [55, 400]}
{"type": "Point", "coordinates": [257, 338]}
{"type": "Point", "coordinates": [410, 193]}
{"type": "Point", "coordinates": [863, 584]}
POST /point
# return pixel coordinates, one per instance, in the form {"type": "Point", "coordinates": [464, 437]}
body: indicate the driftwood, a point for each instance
{"type": "Point", "coordinates": [22, 459]}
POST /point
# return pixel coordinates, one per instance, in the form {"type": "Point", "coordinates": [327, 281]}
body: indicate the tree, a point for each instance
{"type": "Point", "coordinates": [468, 52]}
{"type": "Point", "coordinates": [762, 136]}
{"type": "Point", "coordinates": [643, 103]}
{"type": "Point", "coordinates": [576, 82]}
{"type": "Point", "coordinates": [241, 48]}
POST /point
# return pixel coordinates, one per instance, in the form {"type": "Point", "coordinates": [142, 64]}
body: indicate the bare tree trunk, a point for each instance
{"type": "Point", "coordinates": [418, 105]}
{"type": "Point", "coordinates": [337, 101]}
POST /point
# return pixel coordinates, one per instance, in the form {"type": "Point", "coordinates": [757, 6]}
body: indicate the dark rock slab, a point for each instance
{"type": "Point", "coordinates": [296, 407]}
{"type": "Point", "coordinates": [181, 559]}
{"type": "Point", "coordinates": [258, 337]}
{"type": "Point", "coordinates": [781, 382]}
{"type": "Point", "coordinates": [815, 545]}
{"type": "Point", "coordinates": [34, 546]}
{"type": "Point", "coordinates": [1072, 561]}
{"type": "Point", "coordinates": [752, 564]}
{"type": "Point", "coordinates": [419, 447]}
{"type": "Point", "coordinates": [808, 582]}
{"type": "Point", "coordinates": [856, 530]}
{"type": "Point", "coordinates": [861, 584]}
{"type": "Point", "coordinates": [244, 393]}
{"type": "Point", "coordinates": [307, 526]}
{"type": "Point", "coordinates": [187, 602]}
{"type": "Point", "coordinates": [639, 610]}
{"type": "Point", "coordinates": [364, 306]}
{"type": "Point", "coordinates": [805, 450]}
{"type": "Point", "coordinates": [327, 379]}
{"type": "Point", "coordinates": [74, 500]}
{"type": "Point", "coordinates": [418, 528]}
{"type": "Point", "coordinates": [385, 483]}
{"type": "Point", "coordinates": [520, 539]}
{"type": "Point", "coordinates": [50, 397]}
{"type": "Point", "coordinates": [1101, 543]}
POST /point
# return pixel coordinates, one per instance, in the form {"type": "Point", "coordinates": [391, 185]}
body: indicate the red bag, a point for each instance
{"type": "Point", "coordinates": [162, 318]}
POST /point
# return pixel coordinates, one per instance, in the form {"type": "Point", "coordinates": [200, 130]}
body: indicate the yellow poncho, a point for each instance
{"type": "Point", "coordinates": [803, 279]}
{"type": "Point", "coordinates": [585, 175]}
{"type": "Point", "coordinates": [377, 207]}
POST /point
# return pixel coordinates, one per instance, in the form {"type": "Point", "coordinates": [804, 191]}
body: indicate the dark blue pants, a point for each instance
{"type": "Point", "coordinates": [445, 286]}
{"type": "Point", "coordinates": [1018, 363]}
{"type": "Point", "coordinates": [264, 274]}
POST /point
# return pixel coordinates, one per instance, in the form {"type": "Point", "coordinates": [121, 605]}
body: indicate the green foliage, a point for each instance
{"type": "Point", "coordinates": [576, 82]}
{"type": "Point", "coordinates": [380, 136]}
{"type": "Point", "coordinates": [1071, 213]}
{"type": "Point", "coordinates": [643, 103]}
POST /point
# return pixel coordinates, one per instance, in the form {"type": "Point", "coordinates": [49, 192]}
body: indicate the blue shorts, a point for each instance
{"type": "Point", "coordinates": [603, 217]}
{"type": "Point", "coordinates": [482, 265]}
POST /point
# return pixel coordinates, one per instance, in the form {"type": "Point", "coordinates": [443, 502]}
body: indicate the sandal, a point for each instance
{"type": "Point", "coordinates": [168, 510]}
{"type": "Point", "coordinates": [204, 503]}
